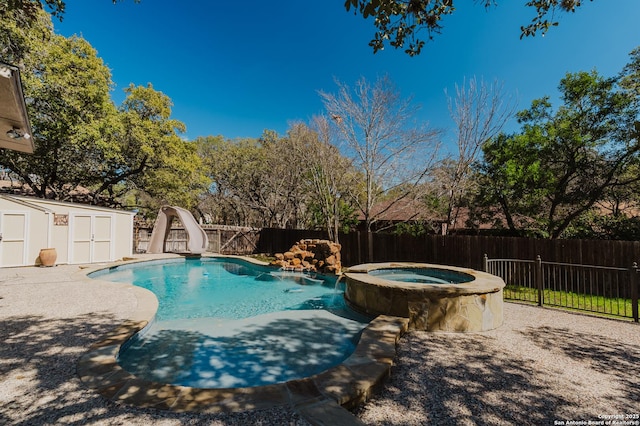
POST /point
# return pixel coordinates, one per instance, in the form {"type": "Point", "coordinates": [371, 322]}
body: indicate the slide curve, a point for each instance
{"type": "Point", "coordinates": [197, 240]}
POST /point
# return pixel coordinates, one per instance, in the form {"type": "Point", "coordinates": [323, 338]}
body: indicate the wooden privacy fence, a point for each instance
{"type": "Point", "coordinates": [361, 247]}
{"type": "Point", "coordinates": [600, 289]}
{"type": "Point", "coordinates": [272, 240]}
{"type": "Point", "coordinates": [222, 239]}
{"type": "Point", "coordinates": [468, 251]}
{"type": "Point", "coordinates": [465, 251]}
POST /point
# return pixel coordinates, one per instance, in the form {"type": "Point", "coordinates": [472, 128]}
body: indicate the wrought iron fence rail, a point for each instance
{"type": "Point", "coordinates": [608, 268]}
{"type": "Point", "coordinates": [599, 289]}
{"type": "Point", "coordinates": [517, 275]}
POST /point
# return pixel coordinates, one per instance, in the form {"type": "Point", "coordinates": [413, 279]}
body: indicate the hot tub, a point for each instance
{"type": "Point", "coordinates": [433, 297]}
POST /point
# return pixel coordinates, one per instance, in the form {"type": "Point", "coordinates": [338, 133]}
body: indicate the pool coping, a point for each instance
{"type": "Point", "coordinates": [345, 385]}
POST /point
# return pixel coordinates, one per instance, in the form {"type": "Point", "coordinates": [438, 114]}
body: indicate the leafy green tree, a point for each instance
{"type": "Point", "coordinates": [235, 168]}
{"type": "Point", "coordinates": [400, 21]}
{"type": "Point", "coordinates": [86, 148]}
{"type": "Point", "coordinates": [563, 161]}
{"type": "Point", "coordinates": [143, 151]}
{"type": "Point", "coordinates": [595, 225]}
{"type": "Point", "coordinates": [630, 77]}
{"type": "Point", "coordinates": [258, 180]}
{"type": "Point", "coordinates": [30, 9]}
{"type": "Point", "coordinates": [286, 181]}
{"type": "Point", "coordinates": [67, 91]}
{"type": "Point", "coordinates": [18, 35]}
{"type": "Point", "coordinates": [509, 177]}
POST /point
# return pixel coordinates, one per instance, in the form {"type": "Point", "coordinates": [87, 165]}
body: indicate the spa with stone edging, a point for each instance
{"type": "Point", "coordinates": [347, 384]}
{"type": "Point", "coordinates": [460, 300]}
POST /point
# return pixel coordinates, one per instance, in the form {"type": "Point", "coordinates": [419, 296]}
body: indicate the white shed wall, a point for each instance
{"type": "Point", "coordinates": [108, 233]}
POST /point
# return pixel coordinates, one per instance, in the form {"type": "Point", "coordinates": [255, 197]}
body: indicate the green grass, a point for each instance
{"type": "Point", "coordinates": [617, 307]}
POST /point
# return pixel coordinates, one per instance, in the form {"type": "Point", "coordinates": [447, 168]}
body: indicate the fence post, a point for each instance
{"type": "Point", "coordinates": [633, 280]}
{"type": "Point", "coordinates": [537, 276]}
{"type": "Point", "coordinates": [485, 263]}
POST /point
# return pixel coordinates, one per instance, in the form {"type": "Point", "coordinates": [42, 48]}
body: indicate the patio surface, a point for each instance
{"type": "Point", "coordinates": [540, 367]}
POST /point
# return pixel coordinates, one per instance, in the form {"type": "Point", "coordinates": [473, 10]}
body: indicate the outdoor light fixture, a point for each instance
{"type": "Point", "coordinates": [5, 72]}
{"type": "Point", "coordinates": [15, 133]}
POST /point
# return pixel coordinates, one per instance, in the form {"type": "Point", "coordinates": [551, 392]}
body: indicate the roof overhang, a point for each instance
{"type": "Point", "coordinates": [15, 130]}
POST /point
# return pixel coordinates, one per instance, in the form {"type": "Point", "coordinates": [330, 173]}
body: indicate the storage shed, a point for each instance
{"type": "Point", "coordinates": [79, 233]}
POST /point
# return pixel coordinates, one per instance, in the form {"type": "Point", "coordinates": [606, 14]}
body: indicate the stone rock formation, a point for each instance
{"type": "Point", "coordinates": [321, 256]}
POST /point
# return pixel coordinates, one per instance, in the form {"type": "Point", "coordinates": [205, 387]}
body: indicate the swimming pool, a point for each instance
{"type": "Point", "coordinates": [225, 322]}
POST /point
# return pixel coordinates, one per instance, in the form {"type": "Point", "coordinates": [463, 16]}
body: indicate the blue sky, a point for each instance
{"type": "Point", "coordinates": [237, 68]}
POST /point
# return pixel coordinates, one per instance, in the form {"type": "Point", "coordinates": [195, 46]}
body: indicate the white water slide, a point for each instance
{"type": "Point", "coordinates": [197, 241]}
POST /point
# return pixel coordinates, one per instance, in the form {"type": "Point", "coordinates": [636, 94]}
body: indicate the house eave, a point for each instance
{"type": "Point", "coordinates": [15, 129]}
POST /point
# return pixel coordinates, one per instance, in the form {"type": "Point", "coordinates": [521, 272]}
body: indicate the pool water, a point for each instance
{"type": "Point", "coordinates": [224, 322]}
{"type": "Point", "coordinates": [422, 275]}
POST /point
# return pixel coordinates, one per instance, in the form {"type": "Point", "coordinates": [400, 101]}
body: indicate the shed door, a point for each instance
{"type": "Point", "coordinates": [13, 238]}
{"type": "Point", "coordinates": [91, 238]}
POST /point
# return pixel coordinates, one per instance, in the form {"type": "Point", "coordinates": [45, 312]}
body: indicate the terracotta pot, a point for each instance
{"type": "Point", "coordinates": [48, 257]}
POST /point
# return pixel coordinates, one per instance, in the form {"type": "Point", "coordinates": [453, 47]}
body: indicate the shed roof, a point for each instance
{"type": "Point", "coordinates": [47, 205]}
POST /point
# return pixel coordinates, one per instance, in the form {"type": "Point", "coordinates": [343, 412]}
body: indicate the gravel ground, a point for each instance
{"type": "Point", "coordinates": [541, 366]}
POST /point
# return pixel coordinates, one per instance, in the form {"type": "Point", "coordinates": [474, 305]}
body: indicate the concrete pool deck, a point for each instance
{"type": "Point", "coordinates": [316, 399]}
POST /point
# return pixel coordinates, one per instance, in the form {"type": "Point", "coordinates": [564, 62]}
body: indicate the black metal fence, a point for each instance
{"type": "Point", "coordinates": [600, 289]}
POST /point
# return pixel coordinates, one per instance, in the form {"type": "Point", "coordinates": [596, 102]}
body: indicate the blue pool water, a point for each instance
{"type": "Point", "coordinates": [225, 322]}
{"type": "Point", "coordinates": [422, 275]}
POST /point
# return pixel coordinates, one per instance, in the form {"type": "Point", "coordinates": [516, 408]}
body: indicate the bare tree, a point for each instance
{"type": "Point", "coordinates": [393, 154]}
{"type": "Point", "coordinates": [336, 176]}
{"type": "Point", "coordinates": [328, 173]}
{"type": "Point", "coordinates": [479, 111]}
